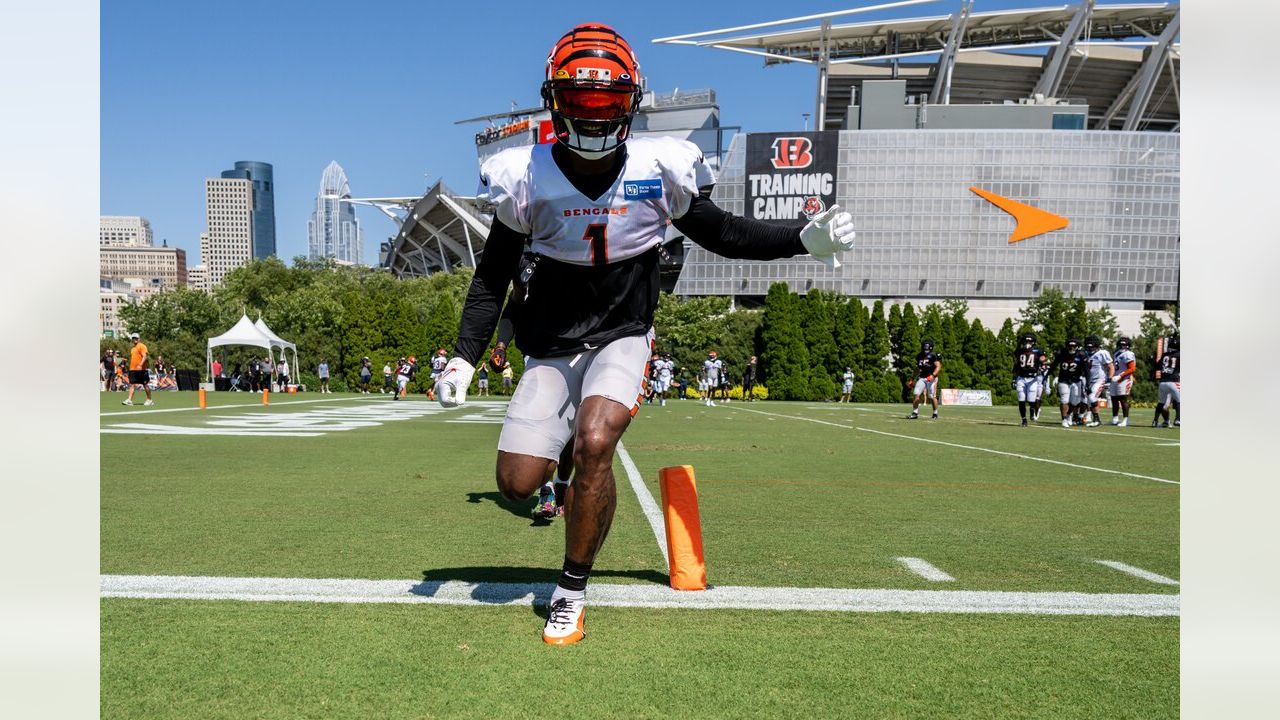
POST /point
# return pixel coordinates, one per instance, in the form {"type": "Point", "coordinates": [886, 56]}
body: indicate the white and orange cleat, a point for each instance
{"type": "Point", "coordinates": [565, 621]}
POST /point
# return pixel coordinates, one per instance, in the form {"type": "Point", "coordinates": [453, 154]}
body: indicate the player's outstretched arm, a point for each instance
{"type": "Point", "coordinates": [742, 238]}
{"type": "Point", "coordinates": [481, 311]}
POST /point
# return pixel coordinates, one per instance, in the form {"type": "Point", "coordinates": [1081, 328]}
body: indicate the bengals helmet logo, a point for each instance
{"type": "Point", "coordinates": [813, 206]}
{"type": "Point", "coordinates": [792, 153]}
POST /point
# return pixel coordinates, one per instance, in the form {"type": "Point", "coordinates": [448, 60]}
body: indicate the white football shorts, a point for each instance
{"type": "Point", "coordinates": [1028, 387]}
{"type": "Point", "coordinates": [921, 386]}
{"type": "Point", "coordinates": [542, 415]}
{"type": "Point", "coordinates": [1122, 388]}
{"type": "Point", "coordinates": [1095, 390]}
{"type": "Point", "coordinates": [1070, 393]}
{"type": "Point", "coordinates": [1169, 392]}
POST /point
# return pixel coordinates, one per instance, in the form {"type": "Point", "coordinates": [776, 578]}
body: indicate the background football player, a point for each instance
{"type": "Point", "coordinates": [1169, 391]}
{"type": "Point", "coordinates": [1028, 362]}
{"type": "Point", "coordinates": [1100, 368]}
{"type": "Point", "coordinates": [928, 365]}
{"type": "Point", "coordinates": [711, 368]}
{"type": "Point", "coordinates": [1069, 364]}
{"type": "Point", "coordinates": [594, 206]}
{"type": "Point", "coordinates": [1126, 364]}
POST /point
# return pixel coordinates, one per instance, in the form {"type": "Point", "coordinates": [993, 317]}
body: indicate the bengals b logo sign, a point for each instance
{"type": "Point", "coordinates": [792, 153]}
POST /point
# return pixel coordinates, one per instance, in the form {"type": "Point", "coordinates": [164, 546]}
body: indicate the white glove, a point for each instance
{"type": "Point", "coordinates": [827, 234]}
{"type": "Point", "coordinates": [451, 386]}
{"type": "Point", "coordinates": [1115, 378]}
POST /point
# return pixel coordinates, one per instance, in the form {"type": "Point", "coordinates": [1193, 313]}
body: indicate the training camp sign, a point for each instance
{"type": "Point", "coordinates": [791, 176]}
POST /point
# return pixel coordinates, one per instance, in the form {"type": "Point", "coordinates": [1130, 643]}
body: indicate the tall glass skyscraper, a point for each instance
{"type": "Point", "coordinates": [333, 230]}
{"type": "Point", "coordinates": [264, 204]}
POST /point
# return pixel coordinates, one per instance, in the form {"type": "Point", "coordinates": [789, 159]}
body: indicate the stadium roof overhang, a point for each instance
{"type": "Point", "coordinates": [1127, 54]}
{"type": "Point", "coordinates": [439, 232]}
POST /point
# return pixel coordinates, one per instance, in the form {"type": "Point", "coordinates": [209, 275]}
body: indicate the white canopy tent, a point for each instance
{"type": "Point", "coordinates": [246, 332]}
{"type": "Point", "coordinates": [282, 344]}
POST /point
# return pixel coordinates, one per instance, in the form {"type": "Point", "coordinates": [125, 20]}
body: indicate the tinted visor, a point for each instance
{"type": "Point", "coordinates": [593, 103]}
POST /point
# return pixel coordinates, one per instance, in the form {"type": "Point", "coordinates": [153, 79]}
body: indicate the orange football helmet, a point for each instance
{"type": "Point", "coordinates": [592, 89]}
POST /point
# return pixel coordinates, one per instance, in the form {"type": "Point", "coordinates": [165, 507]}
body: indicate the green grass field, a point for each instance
{"type": "Point", "coordinates": [792, 495]}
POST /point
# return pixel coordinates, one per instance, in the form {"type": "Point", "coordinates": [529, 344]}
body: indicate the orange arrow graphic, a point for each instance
{"type": "Point", "coordinates": [1031, 221]}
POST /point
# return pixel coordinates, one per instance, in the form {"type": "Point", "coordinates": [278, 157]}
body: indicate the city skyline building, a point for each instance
{"type": "Point", "coordinates": [124, 231]}
{"type": "Point", "coordinates": [112, 296]}
{"type": "Point", "coordinates": [148, 269]}
{"type": "Point", "coordinates": [333, 230]}
{"type": "Point", "coordinates": [198, 278]}
{"type": "Point", "coordinates": [227, 242]}
{"type": "Point", "coordinates": [260, 176]}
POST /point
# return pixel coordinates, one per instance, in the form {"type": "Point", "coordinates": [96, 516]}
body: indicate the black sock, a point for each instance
{"type": "Point", "coordinates": [574, 575]}
{"type": "Point", "coordinates": [1022, 409]}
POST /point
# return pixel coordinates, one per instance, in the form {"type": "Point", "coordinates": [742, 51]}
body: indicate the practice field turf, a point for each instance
{"type": "Point", "coordinates": [1061, 547]}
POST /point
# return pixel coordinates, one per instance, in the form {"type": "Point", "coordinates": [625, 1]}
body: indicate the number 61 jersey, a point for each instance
{"type": "Point", "coordinates": [532, 196]}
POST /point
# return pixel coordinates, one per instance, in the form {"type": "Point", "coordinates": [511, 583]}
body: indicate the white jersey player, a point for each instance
{"type": "Point", "coordinates": [1100, 369]}
{"type": "Point", "coordinates": [1126, 366]}
{"type": "Point", "coordinates": [438, 363]}
{"type": "Point", "coordinates": [665, 368]}
{"type": "Point", "coordinates": [593, 208]}
{"type": "Point", "coordinates": [711, 370]}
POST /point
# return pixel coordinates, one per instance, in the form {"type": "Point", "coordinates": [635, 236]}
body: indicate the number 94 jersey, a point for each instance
{"type": "Point", "coordinates": [532, 196]}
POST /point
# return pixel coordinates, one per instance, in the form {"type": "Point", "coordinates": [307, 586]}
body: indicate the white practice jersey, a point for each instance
{"type": "Point", "coordinates": [438, 363]}
{"type": "Point", "coordinates": [531, 195]}
{"type": "Point", "coordinates": [711, 369]}
{"type": "Point", "coordinates": [665, 368]}
{"type": "Point", "coordinates": [1098, 365]}
{"type": "Point", "coordinates": [1123, 358]}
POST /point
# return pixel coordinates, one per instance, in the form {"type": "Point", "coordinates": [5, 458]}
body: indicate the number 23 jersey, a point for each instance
{"type": "Point", "coordinates": [531, 195]}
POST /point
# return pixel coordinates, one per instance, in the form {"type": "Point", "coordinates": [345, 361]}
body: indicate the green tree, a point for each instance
{"type": "Point", "coordinates": [784, 358]}
{"type": "Point", "coordinates": [1102, 323]}
{"type": "Point", "coordinates": [905, 357]}
{"type": "Point", "coordinates": [849, 335]}
{"type": "Point", "coordinates": [1001, 357]}
{"type": "Point", "coordinates": [818, 320]}
{"type": "Point", "coordinates": [878, 384]}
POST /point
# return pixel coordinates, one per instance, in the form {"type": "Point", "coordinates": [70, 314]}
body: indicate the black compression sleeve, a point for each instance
{"type": "Point", "coordinates": [737, 237]}
{"type": "Point", "coordinates": [488, 289]}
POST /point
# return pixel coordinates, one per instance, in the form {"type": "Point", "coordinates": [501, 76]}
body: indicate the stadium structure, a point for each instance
{"type": "Point", "coordinates": [941, 135]}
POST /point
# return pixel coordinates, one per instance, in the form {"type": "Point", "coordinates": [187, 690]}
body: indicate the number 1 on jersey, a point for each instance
{"type": "Point", "coordinates": [598, 235]}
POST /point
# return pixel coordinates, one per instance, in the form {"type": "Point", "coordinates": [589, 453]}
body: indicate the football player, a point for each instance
{"type": "Point", "coordinates": [1028, 361]}
{"type": "Point", "coordinates": [594, 205]}
{"type": "Point", "coordinates": [1069, 364]}
{"type": "Point", "coordinates": [711, 368]}
{"type": "Point", "coordinates": [402, 378]}
{"type": "Point", "coordinates": [666, 367]}
{"type": "Point", "coordinates": [1126, 364]}
{"type": "Point", "coordinates": [846, 387]}
{"type": "Point", "coordinates": [1169, 392]}
{"type": "Point", "coordinates": [1100, 368]}
{"type": "Point", "coordinates": [928, 365]}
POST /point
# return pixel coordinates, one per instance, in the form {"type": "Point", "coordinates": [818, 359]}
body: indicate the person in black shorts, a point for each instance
{"type": "Point", "coordinates": [749, 380]}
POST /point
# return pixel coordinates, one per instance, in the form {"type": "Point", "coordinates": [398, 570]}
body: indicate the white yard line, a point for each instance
{"type": "Point", "coordinates": [650, 506]}
{"type": "Point", "coordinates": [456, 592]}
{"type": "Point", "coordinates": [965, 447]}
{"type": "Point", "coordinates": [925, 569]}
{"type": "Point", "coordinates": [1138, 572]}
{"type": "Point", "coordinates": [250, 405]}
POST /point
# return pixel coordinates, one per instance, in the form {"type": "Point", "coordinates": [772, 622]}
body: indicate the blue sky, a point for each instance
{"type": "Point", "coordinates": [189, 88]}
